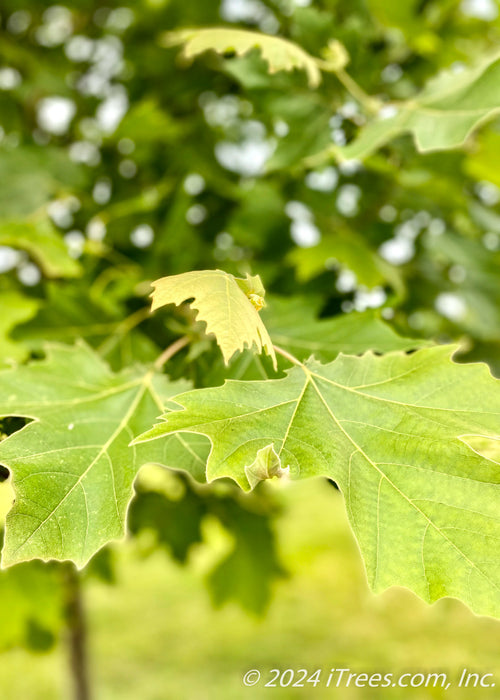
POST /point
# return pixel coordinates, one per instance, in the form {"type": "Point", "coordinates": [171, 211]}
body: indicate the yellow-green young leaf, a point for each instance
{"type": "Point", "coordinates": [396, 433]}
{"type": "Point", "coordinates": [72, 469]}
{"type": "Point", "coordinates": [445, 113]}
{"type": "Point", "coordinates": [228, 306]}
{"type": "Point", "coordinates": [279, 53]}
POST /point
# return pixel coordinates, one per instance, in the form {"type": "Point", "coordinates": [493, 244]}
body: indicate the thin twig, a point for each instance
{"type": "Point", "coordinates": [123, 328]}
{"type": "Point", "coordinates": [77, 633]}
{"type": "Point", "coordinates": [169, 352]}
{"type": "Point", "coordinates": [371, 104]}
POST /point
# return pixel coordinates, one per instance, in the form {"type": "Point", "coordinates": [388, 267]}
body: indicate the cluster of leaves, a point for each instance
{"type": "Point", "coordinates": [321, 146]}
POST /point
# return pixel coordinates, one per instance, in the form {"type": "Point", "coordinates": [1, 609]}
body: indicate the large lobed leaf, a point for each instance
{"type": "Point", "coordinates": [72, 467]}
{"type": "Point", "coordinates": [225, 303]}
{"type": "Point", "coordinates": [445, 113]}
{"type": "Point", "coordinates": [279, 53]}
{"type": "Point", "coordinates": [398, 433]}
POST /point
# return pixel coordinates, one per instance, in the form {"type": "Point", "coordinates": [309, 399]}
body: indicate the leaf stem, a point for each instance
{"type": "Point", "coordinates": [370, 104]}
{"type": "Point", "coordinates": [169, 352]}
{"type": "Point", "coordinates": [123, 328]}
{"type": "Point", "coordinates": [291, 358]}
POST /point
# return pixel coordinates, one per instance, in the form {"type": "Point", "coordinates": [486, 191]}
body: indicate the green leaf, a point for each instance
{"type": "Point", "coordinates": [479, 292]}
{"type": "Point", "coordinates": [147, 122]}
{"type": "Point", "coordinates": [481, 163]}
{"type": "Point", "coordinates": [246, 573]}
{"type": "Point", "coordinates": [294, 326]}
{"type": "Point", "coordinates": [43, 243]}
{"type": "Point", "coordinates": [32, 175]}
{"type": "Point", "coordinates": [31, 606]}
{"type": "Point", "coordinates": [16, 309]}
{"type": "Point", "coordinates": [393, 433]}
{"type": "Point", "coordinates": [72, 469]}
{"type": "Point", "coordinates": [73, 312]}
{"type": "Point", "coordinates": [403, 15]}
{"type": "Point", "coordinates": [175, 522]}
{"type": "Point", "coordinates": [279, 53]}
{"type": "Point", "coordinates": [442, 116]}
{"type": "Point", "coordinates": [173, 510]}
{"type": "Point", "coordinates": [344, 249]}
{"type": "Point", "coordinates": [228, 305]}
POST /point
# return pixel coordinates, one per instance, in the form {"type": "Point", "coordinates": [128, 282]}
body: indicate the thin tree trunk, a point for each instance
{"type": "Point", "coordinates": [77, 634]}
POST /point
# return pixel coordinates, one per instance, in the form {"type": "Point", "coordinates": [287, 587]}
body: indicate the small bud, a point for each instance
{"type": "Point", "coordinates": [257, 301]}
{"type": "Point", "coordinates": [336, 55]}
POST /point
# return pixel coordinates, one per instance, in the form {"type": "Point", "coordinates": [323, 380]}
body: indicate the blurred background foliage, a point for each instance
{"type": "Point", "coordinates": [120, 163]}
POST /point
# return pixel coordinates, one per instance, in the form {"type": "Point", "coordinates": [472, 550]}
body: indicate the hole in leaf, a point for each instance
{"type": "Point", "coordinates": [334, 484]}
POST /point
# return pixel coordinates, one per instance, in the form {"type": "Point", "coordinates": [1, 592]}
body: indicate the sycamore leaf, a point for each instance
{"type": "Point", "coordinates": [395, 433]}
{"type": "Point", "coordinates": [443, 116]}
{"type": "Point", "coordinates": [175, 518]}
{"type": "Point", "coordinates": [279, 53]}
{"type": "Point", "coordinates": [225, 303]}
{"type": "Point", "coordinates": [31, 606]}
{"type": "Point", "coordinates": [344, 249]}
{"type": "Point", "coordinates": [72, 469]}
{"type": "Point", "coordinates": [294, 326]}
{"type": "Point", "coordinates": [245, 575]}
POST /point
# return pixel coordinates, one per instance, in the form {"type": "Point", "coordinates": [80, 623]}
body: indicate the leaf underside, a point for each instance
{"type": "Point", "coordinates": [398, 434]}
{"type": "Point", "coordinates": [443, 116]}
{"type": "Point", "coordinates": [72, 467]}
{"type": "Point", "coordinates": [222, 304]}
{"type": "Point", "coordinates": [279, 53]}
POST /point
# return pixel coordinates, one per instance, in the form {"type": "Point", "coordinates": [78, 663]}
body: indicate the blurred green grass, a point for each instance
{"type": "Point", "coordinates": [155, 636]}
